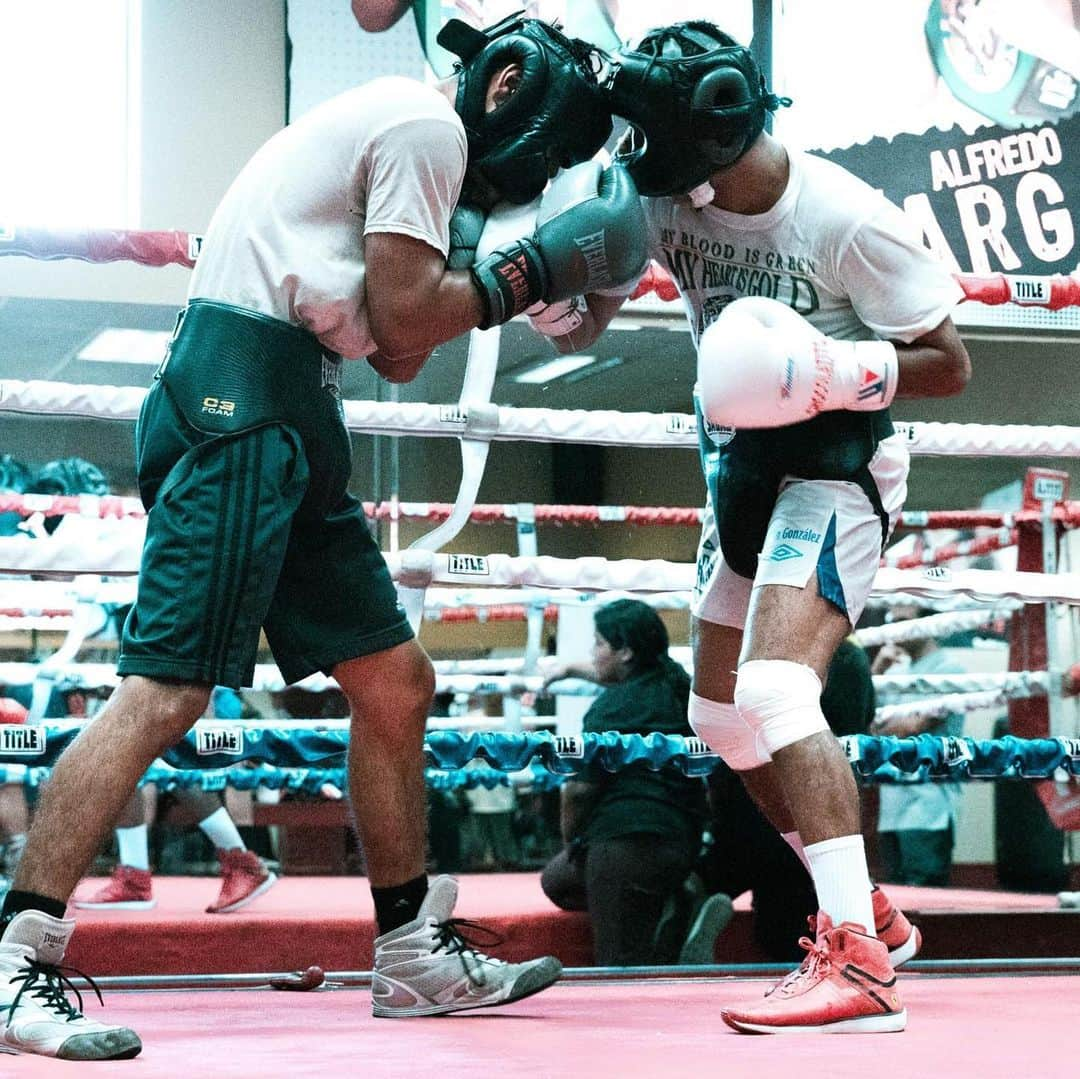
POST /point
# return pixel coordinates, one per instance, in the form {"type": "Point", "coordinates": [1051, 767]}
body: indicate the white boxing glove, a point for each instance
{"type": "Point", "coordinates": [761, 364]}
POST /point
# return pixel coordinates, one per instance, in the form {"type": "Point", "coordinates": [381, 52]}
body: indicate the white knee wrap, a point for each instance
{"type": "Point", "coordinates": [721, 728]}
{"type": "Point", "coordinates": [780, 701]}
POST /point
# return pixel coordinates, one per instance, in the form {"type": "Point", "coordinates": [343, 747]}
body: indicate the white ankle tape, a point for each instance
{"type": "Point", "coordinates": [727, 734]}
{"type": "Point", "coordinates": [780, 701]}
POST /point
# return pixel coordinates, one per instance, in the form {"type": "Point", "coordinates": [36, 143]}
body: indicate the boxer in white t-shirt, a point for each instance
{"type": "Point", "coordinates": [812, 306]}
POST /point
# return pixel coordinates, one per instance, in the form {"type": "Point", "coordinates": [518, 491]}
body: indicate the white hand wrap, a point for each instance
{"type": "Point", "coordinates": [559, 318]}
{"type": "Point", "coordinates": [780, 701]}
{"type": "Point", "coordinates": [760, 364]}
{"type": "Point", "coordinates": [720, 727]}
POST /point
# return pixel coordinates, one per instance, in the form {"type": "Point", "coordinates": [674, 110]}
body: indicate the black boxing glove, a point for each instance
{"type": "Point", "coordinates": [590, 234]}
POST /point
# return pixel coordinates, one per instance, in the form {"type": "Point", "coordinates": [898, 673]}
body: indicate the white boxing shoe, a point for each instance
{"type": "Point", "coordinates": [35, 1014]}
{"type": "Point", "coordinates": [427, 967]}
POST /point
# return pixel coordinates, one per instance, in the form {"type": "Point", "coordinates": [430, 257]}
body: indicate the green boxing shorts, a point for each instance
{"type": "Point", "coordinates": [243, 464]}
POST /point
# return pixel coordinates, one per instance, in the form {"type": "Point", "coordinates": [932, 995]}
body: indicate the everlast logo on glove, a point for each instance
{"type": "Point", "coordinates": [596, 261]}
{"type": "Point", "coordinates": [331, 374]}
{"type": "Point", "coordinates": [514, 273]}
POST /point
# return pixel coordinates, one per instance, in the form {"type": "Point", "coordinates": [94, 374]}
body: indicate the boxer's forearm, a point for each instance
{"type": "Point", "coordinates": [402, 369]}
{"type": "Point", "coordinates": [934, 365]}
{"type": "Point", "coordinates": [376, 15]}
{"type": "Point", "coordinates": [413, 301]}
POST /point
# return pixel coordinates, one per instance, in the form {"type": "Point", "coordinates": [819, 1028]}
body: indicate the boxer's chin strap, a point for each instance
{"type": "Point", "coordinates": [475, 401]}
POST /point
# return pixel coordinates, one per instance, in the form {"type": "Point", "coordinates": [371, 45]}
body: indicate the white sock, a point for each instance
{"type": "Point", "coordinates": [134, 847]}
{"type": "Point", "coordinates": [220, 829]}
{"type": "Point", "coordinates": [838, 867]}
{"type": "Point", "coordinates": [794, 841]}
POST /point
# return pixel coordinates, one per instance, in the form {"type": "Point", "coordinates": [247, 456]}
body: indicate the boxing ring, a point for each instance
{"type": "Point", "coordinates": [635, 1021]}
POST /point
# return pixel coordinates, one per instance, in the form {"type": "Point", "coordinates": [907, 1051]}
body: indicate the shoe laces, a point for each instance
{"type": "Point", "coordinates": [451, 937]}
{"type": "Point", "coordinates": [48, 984]}
{"type": "Point", "coordinates": [817, 959]}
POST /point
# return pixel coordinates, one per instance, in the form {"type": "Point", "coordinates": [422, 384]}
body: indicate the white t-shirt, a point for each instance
{"type": "Point", "coordinates": [287, 239]}
{"type": "Point", "coordinates": [832, 248]}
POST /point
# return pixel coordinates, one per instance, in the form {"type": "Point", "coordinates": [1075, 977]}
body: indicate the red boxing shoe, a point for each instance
{"type": "Point", "coordinates": [846, 985]}
{"type": "Point", "coordinates": [892, 927]}
{"type": "Point", "coordinates": [243, 879]}
{"type": "Point", "coordinates": [126, 889]}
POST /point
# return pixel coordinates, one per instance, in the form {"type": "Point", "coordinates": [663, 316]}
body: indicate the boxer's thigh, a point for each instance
{"type": "Point", "coordinates": [335, 599]}
{"type": "Point", "coordinates": [216, 535]}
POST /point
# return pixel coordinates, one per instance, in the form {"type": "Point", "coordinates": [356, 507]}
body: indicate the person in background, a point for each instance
{"type": "Point", "coordinates": [917, 821]}
{"type": "Point", "coordinates": [244, 875]}
{"type": "Point", "coordinates": [631, 836]}
{"type": "Point", "coordinates": [490, 810]}
{"type": "Point", "coordinates": [14, 818]}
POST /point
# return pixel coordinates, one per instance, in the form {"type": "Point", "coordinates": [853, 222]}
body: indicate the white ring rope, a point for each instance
{"type": "Point", "coordinates": [116, 513]}
{"type": "Point", "coordinates": [951, 692]}
{"type": "Point", "coordinates": [418, 569]}
{"type": "Point", "coordinates": [645, 430]}
{"type": "Point", "coordinates": [947, 552]}
{"type": "Point", "coordinates": [933, 626]}
{"type": "Point", "coordinates": [935, 708]}
{"type": "Point", "coordinates": [1014, 683]}
{"type": "Point", "coordinates": [32, 598]}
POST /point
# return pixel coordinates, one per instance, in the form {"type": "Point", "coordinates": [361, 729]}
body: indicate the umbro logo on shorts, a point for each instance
{"type": "Point", "coordinates": [783, 551]}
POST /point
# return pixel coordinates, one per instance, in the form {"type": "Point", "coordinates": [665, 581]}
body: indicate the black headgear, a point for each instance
{"type": "Point", "coordinates": [696, 101]}
{"type": "Point", "coordinates": [556, 117]}
{"type": "Point", "coordinates": [70, 476]}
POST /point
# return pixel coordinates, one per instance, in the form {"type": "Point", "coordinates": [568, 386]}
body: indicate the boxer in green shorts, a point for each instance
{"type": "Point", "coordinates": [251, 524]}
{"type": "Point", "coordinates": [329, 243]}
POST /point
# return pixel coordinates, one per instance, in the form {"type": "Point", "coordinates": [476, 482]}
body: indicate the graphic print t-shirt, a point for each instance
{"type": "Point", "coordinates": [832, 248]}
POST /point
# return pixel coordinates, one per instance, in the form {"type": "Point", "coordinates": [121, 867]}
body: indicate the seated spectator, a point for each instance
{"type": "Point", "coordinates": [631, 836]}
{"type": "Point", "coordinates": [917, 821]}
